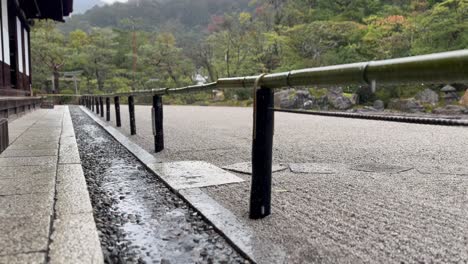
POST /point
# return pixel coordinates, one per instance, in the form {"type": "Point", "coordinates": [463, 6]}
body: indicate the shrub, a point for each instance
{"type": "Point", "coordinates": [318, 92]}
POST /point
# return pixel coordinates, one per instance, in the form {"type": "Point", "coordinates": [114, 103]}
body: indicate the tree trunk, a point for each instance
{"type": "Point", "coordinates": [209, 68]}
{"type": "Point", "coordinates": [100, 82]}
{"type": "Point", "coordinates": [88, 84]}
{"type": "Point", "coordinates": [56, 88]}
{"type": "Point", "coordinates": [173, 77]}
{"type": "Point", "coordinates": [227, 64]}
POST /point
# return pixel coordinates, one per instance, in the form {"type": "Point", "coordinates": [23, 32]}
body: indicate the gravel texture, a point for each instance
{"type": "Point", "coordinates": [139, 219]}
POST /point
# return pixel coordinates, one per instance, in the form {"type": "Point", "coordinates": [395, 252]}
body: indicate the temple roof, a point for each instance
{"type": "Point", "coordinates": [46, 9]}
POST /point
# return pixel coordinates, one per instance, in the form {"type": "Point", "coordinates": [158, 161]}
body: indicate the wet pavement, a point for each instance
{"type": "Point", "coordinates": [139, 219]}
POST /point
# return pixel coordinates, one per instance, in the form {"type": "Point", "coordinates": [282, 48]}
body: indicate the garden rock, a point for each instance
{"type": "Point", "coordinates": [369, 109]}
{"type": "Point", "coordinates": [309, 104]}
{"type": "Point", "coordinates": [289, 99]}
{"type": "Point", "coordinates": [218, 95]}
{"type": "Point", "coordinates": [354, 99]}
{"type": "Point", "coordinates": [427, 96]}
{"type": "Point", "coordinates": [379, 105]}
{"type": "Point", "coordinates": [464, 99]}
{"type": "Point", "coordinates": [283, 100]}
{"type": "Point", "coordinates": [451, 110]}
{"type": "Point", "coordinates": [301, 97]}
{"type": "Point", "coordinates": [406, 105]}
{"type": "Point", "coordinates": [322, 103]}
{"type": "Point", "coordinates": [338, 101]}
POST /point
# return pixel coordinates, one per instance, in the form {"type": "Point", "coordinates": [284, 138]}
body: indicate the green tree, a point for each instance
{"type": "Point", "coordinates": [387, 37]}
{"type": "Point", "coordinates": [164, 59]}
{"type": "Point", "coordinates": [443, 28]}
{"type": "Point", "coordinates": [101, 51]}
{"type": "Point", "coordinates": [49, 51]}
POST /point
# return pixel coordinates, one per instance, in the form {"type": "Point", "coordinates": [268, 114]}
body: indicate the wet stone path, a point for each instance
{"type": "Point", "coordinates": [139, 219]}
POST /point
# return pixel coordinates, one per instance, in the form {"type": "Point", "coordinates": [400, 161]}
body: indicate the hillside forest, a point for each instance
{"type": "Point", "coordinates": [171, 43]}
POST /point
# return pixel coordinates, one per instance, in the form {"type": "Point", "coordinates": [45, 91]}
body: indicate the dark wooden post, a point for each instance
{"type": "Point", "coordinates": [97, 105]}
{"type": "Point", "coordinates": [262, 147]}
{"type": "Point", "coordinates": [158, 130]}
{"type": "Point", "coordinates": [108, 109]}
{"type": "Point", "coordinates": [117, 111]}
{"type": "Point", "coordinates": [101, 106]}
{"type": "Point", "coordinates": [131, 109]}
{"type": "Point", "coordinates": [4, 137]}
{"type": "Point", "coordinates": [91, 102]}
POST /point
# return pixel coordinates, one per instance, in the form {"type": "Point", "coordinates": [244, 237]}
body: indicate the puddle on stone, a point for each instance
{"type": "Point", "coordinates": [378, 167]}
{"type": "Point", "coordinates": [314, 168]}
{"type": "Point", "coordinates": [193, 174]}
{"type": "Point", "coordinates": [93, 131]}
{"type": "Point", "coordinates": [458, 171]}
{"type": "Point", "coordinates": [246, 167]}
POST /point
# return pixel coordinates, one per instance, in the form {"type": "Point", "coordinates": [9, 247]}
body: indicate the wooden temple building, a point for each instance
{"type": "Point", "coordinates": [17, 18]}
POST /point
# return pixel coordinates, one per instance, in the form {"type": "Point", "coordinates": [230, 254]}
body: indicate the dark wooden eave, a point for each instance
{"type": "Point", "coordinates": [46, 9]}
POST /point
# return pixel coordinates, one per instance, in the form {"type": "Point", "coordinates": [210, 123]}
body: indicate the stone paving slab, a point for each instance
{"type": "Point", "coordinates": [193, 174]}
{"type": "Point", "coordinates": [30, 258]}
{"type": "Point", "coordinates": [42, 187]}
{"type": "Point", "coordinates": [72, 194]}
{"type": "Point", "coordinates": [38, 137]}
{"type": "Point", "coordinates": [32, 138]}
{"type": "Point", "coordinates": [75, 240]}
{"type": "Point", "coordinates": [376, 167]}
{"type": "Point", "coordinates": [24, 234]}
{"type": "Point", "coordinates": [27, 161]}
{"type": "Point", "coordinates": [42, 133]}
{"type": "Point", "coordinates": [28, 204]}
{"type": "Point", "coordinates": [246, 167]}
{"type": "Point", "coordinates": [18, 126]}
{"type": "Point", "coordinates": [316, 168]}
{"type": "Point", "coordinates": [28, 172]}
{"type": "Point", "coordinates": [69, 154]}
{"type": "Point", "coordinates": [34, 146]}
{"type": "Point", "coordinates": [25, 185]}
{"type": "Point", "coordinates": [9, 153]}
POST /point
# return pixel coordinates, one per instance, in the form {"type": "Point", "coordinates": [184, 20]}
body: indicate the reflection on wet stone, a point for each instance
{"type": "Point", "coordinates": [138, 218]}
{"type": "Point", "coordinates": [246, 167]}
{"type": "Point", "coordinates": [377, 167]}
{"type": "Point", "coordinates": [193, 174]}
{"type": "Point", "coordinates": [314, 168]}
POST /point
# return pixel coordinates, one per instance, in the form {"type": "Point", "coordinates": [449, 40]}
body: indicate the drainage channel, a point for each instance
{"type": "Point", "coordinates": [139, 219]}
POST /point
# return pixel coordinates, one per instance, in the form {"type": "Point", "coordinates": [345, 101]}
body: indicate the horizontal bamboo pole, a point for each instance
{"type": "Point", "coordinates": [433, 68]}
{"type": "Point", "coordinates": [162, 91]}
{"type": "Point", "coordinates": [445, 67]}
